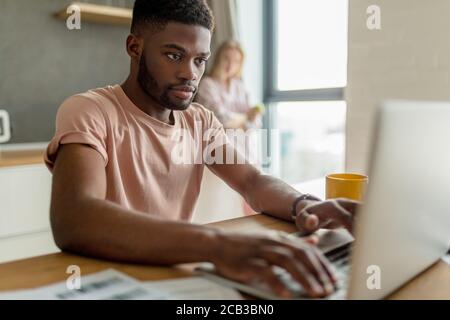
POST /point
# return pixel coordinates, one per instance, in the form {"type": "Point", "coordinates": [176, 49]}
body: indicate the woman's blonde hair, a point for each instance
{"type": "Point", "coordinates": [229, 44]}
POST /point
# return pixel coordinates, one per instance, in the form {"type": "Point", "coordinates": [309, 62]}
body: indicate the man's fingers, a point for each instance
{"type": "Point", "coordinates": [333, 225]}
{"type": "Point", "coordinates": [259, 271]}
{"type": "Point", "coordinates": [307, 223]}
{"type": "Point", "coordinates": [314, 217]}
{"type": "Point", "coordinates": [343, 216]}
{"type": "Point", "coordinates": [350, 205]}
{"type": "Point", "coordinates": [312, 222]}
{"type": "Point", "coordinates": [326, 265]}
{"type": "Point", "coordinates": [328, 213]}
{"type": "Point", "coordinates": [267, 275]}
{"type": "Point", "coordinates": [314, 265]}
{"type": "Point", "coordinates": [307, 276]}
{"type": "Point", "coordinates": [311, 239]}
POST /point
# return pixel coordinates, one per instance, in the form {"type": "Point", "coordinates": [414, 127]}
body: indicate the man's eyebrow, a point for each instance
{"type": "Point", "coordinates": [175, 46]}
{"type": "Point", "coordinates": [180, 48]}
{"type": "Point", "coordinates": [205, 54]}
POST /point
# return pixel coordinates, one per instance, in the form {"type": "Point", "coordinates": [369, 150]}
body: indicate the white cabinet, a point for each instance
{"type": "Point", "coordinates": [25, 205]}
{"type": "Point", "coordinates": [217, 201]}
{"type": "Point", "coordinates": [24, 212]}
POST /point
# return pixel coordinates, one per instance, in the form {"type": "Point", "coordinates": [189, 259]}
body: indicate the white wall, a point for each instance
{"type": "Point", "coordinates": [409, 58]}
{"type": "Point", "coordinates": [250, 24]}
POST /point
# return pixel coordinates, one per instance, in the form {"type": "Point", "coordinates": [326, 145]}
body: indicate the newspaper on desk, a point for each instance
{"type": "Point", "coordinates": [193, 288]}
{"type": "Point", "coordinates": [105, 285]}
{"type": "Point", "coordinates": [114, 285]}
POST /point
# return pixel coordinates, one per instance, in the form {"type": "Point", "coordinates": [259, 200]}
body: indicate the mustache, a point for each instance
{"type": "Point", "coordinates": [183, 84]}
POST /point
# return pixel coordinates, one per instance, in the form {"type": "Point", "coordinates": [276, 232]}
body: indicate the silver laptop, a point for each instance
{"type": "Point", "coordinates": [404, 224]}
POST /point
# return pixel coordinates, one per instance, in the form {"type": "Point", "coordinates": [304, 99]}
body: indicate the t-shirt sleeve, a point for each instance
{"type": "Point", "coordinates": [78, 120]}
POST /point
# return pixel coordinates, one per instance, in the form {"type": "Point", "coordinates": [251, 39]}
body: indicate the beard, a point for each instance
{"type": "Point", "coordinates": [150, 86]}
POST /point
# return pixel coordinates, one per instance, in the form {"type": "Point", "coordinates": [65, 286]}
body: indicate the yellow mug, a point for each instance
{"type": "Point", "coordinates": [346, 185]}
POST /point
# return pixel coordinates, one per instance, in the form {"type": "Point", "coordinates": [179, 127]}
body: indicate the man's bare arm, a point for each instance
{"type": "Point", "coordinates": [263, 193]}
{"type": "Point", "coordinates": [85, 223]}
{"type": "Point", "coordinates": [270, 195]}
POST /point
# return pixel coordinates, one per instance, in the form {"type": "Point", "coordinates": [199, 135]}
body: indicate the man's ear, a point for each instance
{"type": "Point", "coordinates": [135, 46]}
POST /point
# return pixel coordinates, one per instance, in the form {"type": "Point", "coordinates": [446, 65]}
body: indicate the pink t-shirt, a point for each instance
{"type": "Point", "coordinates": [138, 149]}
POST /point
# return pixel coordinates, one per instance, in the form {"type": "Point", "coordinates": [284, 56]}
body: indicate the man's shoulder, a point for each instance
{"type": "Point", "coordinates": [98, 101]}
{"type": "Point", "coordinates": [99, 96]}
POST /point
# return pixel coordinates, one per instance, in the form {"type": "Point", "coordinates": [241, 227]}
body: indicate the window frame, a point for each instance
{"type": "Point", "coordinates": [271, 94]}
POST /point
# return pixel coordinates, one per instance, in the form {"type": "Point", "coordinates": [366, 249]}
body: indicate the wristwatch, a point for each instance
{"type": "Point", "coordinates": [305, 196]}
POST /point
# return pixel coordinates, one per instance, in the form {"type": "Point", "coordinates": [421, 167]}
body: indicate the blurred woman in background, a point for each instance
{"type": "Point", "coordinates": [223, 91]}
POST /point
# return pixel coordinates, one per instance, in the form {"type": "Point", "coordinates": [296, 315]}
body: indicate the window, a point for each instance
{"type": "Point", "coordinates": [311, 139]}
{"type": "Point", "coordinates": [307, 53]}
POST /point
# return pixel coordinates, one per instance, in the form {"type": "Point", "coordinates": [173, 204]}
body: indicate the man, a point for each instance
{"type": "Point", "coordinates": [117, 193]}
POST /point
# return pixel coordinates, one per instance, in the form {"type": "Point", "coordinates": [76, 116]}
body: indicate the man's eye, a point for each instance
{"type": "Point", "coordinates": [201, 61]}
{"type": "Point", "coordinates": [173, 56]}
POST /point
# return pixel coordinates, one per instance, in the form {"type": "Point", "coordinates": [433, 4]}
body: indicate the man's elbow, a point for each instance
{"type": "Point", "coordinates": [60, 232]}
{"type": "Point", "coordinates": [64, 228]}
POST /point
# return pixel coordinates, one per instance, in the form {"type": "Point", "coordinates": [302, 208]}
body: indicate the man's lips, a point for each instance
{"type": "Point", "coordinates": [183, 92]}
{"type": "Point", "coordinates": [183, 88]}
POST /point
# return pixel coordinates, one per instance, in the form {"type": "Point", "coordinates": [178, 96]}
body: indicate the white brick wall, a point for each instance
{"type": "Point", "coordinates": [409, 58]}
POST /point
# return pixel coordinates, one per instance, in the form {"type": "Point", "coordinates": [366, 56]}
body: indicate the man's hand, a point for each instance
{"type": "Point", "coordinates": [250, 259]}
{"type": "Point", "coordinates": [329, 214]}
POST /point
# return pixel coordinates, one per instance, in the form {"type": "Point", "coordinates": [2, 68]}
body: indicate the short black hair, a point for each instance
{"type": "Point", "coordinates": [160, 12]}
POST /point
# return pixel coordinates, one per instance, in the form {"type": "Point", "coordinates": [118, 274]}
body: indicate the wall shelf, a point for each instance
{"type": "Point", "coordinates": [99, 14]}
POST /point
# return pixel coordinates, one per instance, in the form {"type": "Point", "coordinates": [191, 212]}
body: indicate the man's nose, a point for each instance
{"type": "Point", "coordinates": [188, 72]}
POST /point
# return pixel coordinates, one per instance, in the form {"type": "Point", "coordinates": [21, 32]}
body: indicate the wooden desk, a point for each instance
{"type": "Point", "coordinates": [20, 158]}
{"type": "Point", "coordinates": [431, 284]}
